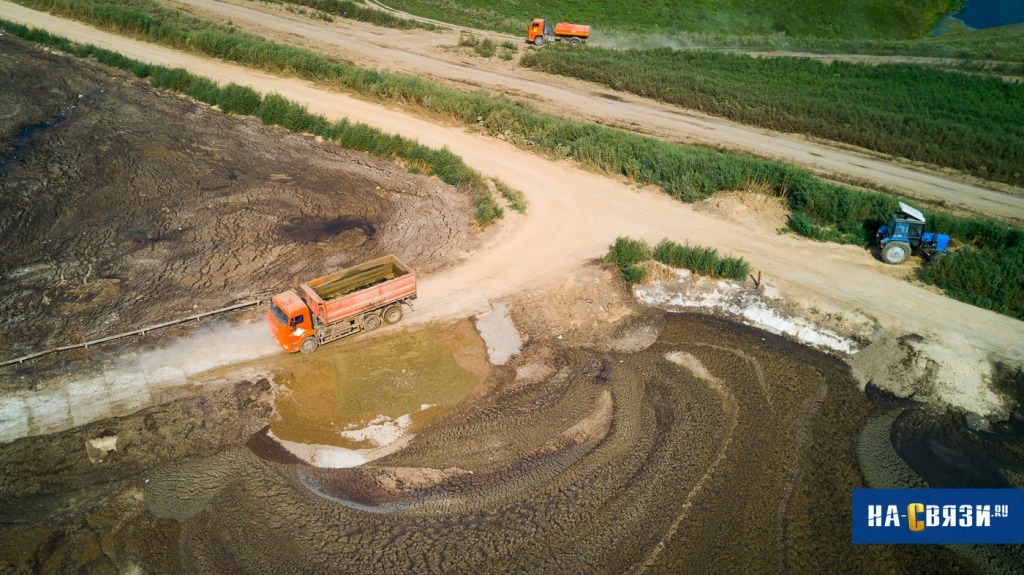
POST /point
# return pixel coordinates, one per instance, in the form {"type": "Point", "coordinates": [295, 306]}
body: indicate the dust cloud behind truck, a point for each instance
{"type": "Point", "coordinates": [540, 31]}
{"type": "Point", "coordinates": [343, 303]}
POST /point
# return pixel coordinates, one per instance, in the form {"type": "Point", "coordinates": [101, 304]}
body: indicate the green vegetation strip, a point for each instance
{"type": "Point", "coordinates": [998, 50]}
{"type": "Point", "coordinates": [821, 210]}
{"type": "Point", "coordinates": [664, 19]}
{"type": "Point", "coordinates": [274, 109]}
{"type": "Point", "coordinates": [631, 257]}
{"type": "Point", "coordinates": [968, 122]}
{"type": "Point", "coordinates": [353, 11]}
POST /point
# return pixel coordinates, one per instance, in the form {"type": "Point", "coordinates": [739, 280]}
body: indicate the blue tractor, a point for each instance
{"type": "Point", "coordinates": [904, 232]}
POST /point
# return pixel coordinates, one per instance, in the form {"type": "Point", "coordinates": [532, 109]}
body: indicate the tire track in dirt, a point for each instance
{"type": "Point", "coordinates": [688, 475]}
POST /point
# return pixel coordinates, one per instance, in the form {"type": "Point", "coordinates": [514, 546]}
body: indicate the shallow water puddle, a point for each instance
{"type": "Point", "coordinates": [343, 407]}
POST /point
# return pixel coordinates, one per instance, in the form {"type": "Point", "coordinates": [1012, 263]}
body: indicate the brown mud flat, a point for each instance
{"type": "Point", "coordinates": [724, 448]}
{"type": "Point", "coordinates": [124, 206]}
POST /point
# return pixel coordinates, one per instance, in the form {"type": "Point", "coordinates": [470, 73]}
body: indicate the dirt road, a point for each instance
{"type": "Point", "coordinates": [416, 52]}
{"type": "Point", "coordinates": [575, 220]}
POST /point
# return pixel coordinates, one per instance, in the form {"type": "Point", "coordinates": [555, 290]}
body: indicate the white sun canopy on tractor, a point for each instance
{"type": "Point", "coordinates": [912, 212]}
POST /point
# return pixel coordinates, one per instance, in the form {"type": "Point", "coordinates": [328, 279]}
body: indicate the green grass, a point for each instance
{"type": "Point", "coordinates": [1004, 45]}
{"type": "Point", "coordinates": [967, 122]}
{"type": "Point", "coordinates": [701, 260]}
{"type": "Point", "coordinates": [487, 210]}
{"type": "Point", "coordinates": [354, 11]}
{"type": "Point", "coordinates": [484, 48]}
{"type": "Point", "coordinates": [986, 278]}
{"type": "Point", "coordinates": [631, 255]}
{"type": "Point", "coordinates": [688, 173]}
{"type": "Point", "coordinates": [820, 18]}
{"type": "Point", "coordinates": [515, 198]}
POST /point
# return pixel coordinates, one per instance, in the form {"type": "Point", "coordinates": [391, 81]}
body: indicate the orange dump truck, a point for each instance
{"type": "Point", "coordinates": [343, 303]}
{"type": "Point", "coordinates": [540, 31]}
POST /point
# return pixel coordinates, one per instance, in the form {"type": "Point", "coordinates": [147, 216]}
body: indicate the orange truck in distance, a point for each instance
{"type": "Point", "coordinates": [540, 31]}
{"type": "Point", "coordinates": [343, 303]}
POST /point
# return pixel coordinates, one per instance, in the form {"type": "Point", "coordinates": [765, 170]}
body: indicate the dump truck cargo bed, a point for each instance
{"type": "Point", "coordinates": [360, 288]}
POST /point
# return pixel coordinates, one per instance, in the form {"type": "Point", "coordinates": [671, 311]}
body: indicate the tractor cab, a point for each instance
{"type": "Point", "coordinates": [904, 233]}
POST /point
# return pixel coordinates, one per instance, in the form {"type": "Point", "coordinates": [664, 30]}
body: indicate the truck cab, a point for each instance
{"type": "Point", "coordinates": [290, 320]}
{"type": "Point", "coordinates": [536, 33]}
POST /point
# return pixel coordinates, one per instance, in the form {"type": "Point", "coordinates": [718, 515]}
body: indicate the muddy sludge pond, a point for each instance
{"type": "Point", "coordinates": [719, 448]}
{"type": "Point", "coordinates": [340, 407]}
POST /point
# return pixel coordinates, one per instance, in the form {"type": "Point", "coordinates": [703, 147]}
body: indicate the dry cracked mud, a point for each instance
{"type": "Point", "coordinates": [124, 206]}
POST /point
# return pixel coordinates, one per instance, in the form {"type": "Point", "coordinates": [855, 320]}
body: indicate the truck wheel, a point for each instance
{"type": "Point", "coordinates": [895, 252]}
{"type": "Point", "coordinates": [538, 40]}
{"type": "Point", "coordinates": [574, 41]}
{"type": "Point", "coordinates": [309, 345]}
{"type": "Point", "coordinates": [393, 314]}
{"type": "Point", "coordinates": [371, 322]}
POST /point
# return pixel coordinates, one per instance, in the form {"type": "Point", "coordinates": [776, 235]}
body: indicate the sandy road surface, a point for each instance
{"type": "Point", "coordinates": [416, 52]}
{"type": "Point", "coordinates": [576, 219]}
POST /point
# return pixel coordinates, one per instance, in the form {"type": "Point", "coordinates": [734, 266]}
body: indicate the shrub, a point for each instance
{"type": "Point", "coordinates": [486, 48]}
{"type": "Point", "coordinates": [235, 99]}
{"type": "Point", "coordinates": [701, 260]}
{"type": "Point", "coordinates": [986, 278]}
{"type": "Point", "coordinates": [628, 251]}
{"type": "Point", "coordinates": [628, 255]}
{"type": "Point", "coordinates": [486, 210]}
{"type": "Point", "coordinates": [514, 197]}
{"type": "Point", "coordinates": [204, 90]}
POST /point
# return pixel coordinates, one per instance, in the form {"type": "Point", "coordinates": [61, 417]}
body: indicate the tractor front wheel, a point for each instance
{"type": "Point", "coordinates": [895, 253]}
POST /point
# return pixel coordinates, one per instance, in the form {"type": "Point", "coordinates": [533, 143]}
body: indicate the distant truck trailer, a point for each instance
{"type": "Point", "coordinates": [540, 31]}
{"type": "Point", "coordinates": [343, 303]}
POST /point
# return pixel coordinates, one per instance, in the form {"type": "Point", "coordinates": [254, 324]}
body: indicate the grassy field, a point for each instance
{"type": "Point", "coordinates": [967, 122]}
{"type": "Point", "coordinates": [631, 256]}
{"type": "Point", "coordinates": [354, 11]}
{"type": "Point", "coordinates": [821, 18]}
{"type": "Point", "coordinates": [1004, 45]}
{"type": "Point", "coordinates": [821, 210]}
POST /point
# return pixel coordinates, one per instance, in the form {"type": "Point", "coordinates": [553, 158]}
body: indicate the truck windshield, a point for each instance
{"type": "Point", "coordinates": [278, 314]}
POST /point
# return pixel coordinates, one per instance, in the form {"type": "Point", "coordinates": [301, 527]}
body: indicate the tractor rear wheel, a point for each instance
{"type": "Point", "coordinates": [371, 322]}
{"type": "Point", "coordinates": [309, 345]}
{"type": "Point", "coordinates": [895, 253]}
{"type": "Point", "coordinates": [393, 314]}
